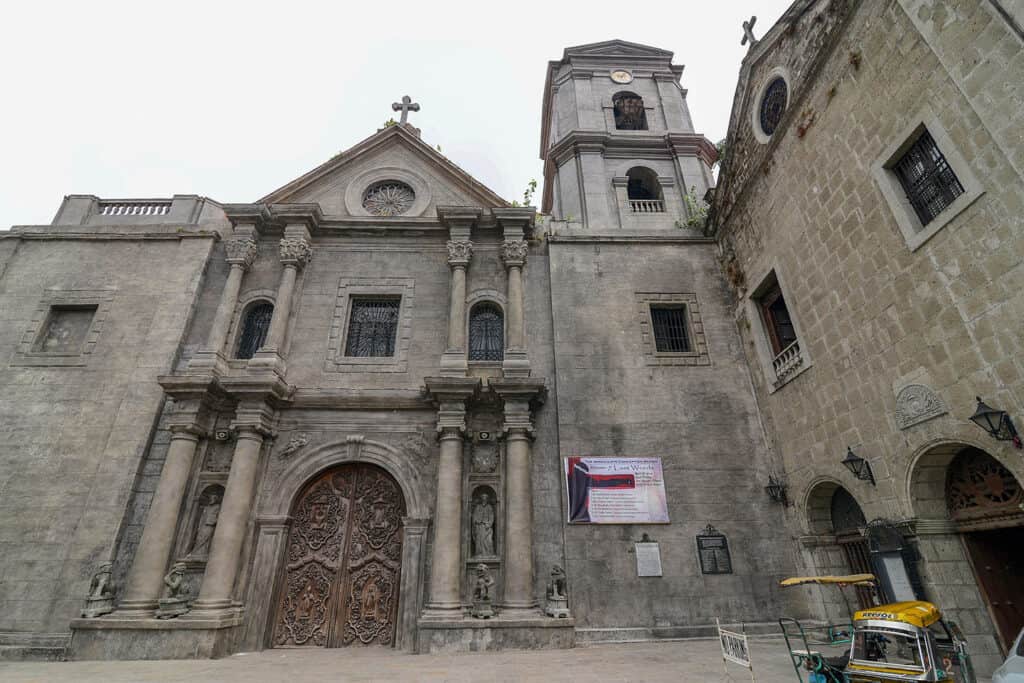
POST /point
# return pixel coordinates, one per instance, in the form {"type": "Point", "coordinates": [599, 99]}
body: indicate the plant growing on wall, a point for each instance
{"type": "Point", "coordinates": [696, 210]}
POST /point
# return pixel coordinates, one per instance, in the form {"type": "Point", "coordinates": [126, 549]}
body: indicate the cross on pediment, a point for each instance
{"type": "Point", "coordinates": [405, 106]}
{"type": "Point", "coordinates": [748, 32]}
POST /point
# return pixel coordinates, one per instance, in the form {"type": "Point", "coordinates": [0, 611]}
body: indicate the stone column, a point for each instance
{"type": "Point", "coordinates": [251, 425]}
{"type": "Point", "coordinates": [454, 360]}
{"type": "Point", "coordinates": [451, 394]}
{"type": "Point", "coordinates": [146, 578]}
{"type": "Point", "coordinates": [414, 540]}
{"type": "Point", "coordinates": [295, 254]}
{"type": "Point", "coordinates": [518, 395]}
{"type": "Point", "coordinates": [516, 363]}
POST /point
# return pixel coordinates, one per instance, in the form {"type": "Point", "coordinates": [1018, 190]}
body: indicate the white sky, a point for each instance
{"type": "Point", "coordinates": [232, 100]}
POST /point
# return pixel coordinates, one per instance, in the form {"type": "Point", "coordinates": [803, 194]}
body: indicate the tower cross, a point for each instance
{"type": "Point", "coordinates": [405, 106]}
{"type": "Point", "coordinates": [748, 32]}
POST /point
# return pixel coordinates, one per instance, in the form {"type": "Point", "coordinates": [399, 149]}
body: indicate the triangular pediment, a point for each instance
{"type": "Point", "coordinates": [393, 154]}
{"type": "Point", "coordinates": [616, 48]}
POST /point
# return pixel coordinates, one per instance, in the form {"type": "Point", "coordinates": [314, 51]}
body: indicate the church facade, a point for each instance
{"type": "Point", "coordinates": [358, 410]}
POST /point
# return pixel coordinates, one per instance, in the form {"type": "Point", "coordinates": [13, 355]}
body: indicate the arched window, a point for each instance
{"type": "Point", "coordinates": [644, 191]}
{"type": "Point", "coordinates": [773, 105]}
{"type": "Point", "coordinates": [255, 324]}
{"type": "Point", "coordinates": [486, 332]}
{"type": "Point", "coordinates": [629, 111]}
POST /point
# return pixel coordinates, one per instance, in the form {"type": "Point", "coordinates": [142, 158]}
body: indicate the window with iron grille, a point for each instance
{"type": "Point", "coordinates": [255, 325]}
{"type": "Point", "coordinates": [926, 177]}
{"type": "Point", "coordinates": [372, 327]}
{"type": "Point", "coordinates": [670, 334]}
{"type": "Point", "coordinates": [486, 333]}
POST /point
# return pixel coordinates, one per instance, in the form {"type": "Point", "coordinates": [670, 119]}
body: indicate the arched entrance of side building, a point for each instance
{"type": "Point", "coordinates": [836, 520]}
{"type": "Point", "coordinates": [340, 579]}
{"type": "Point", "coordinates": [969, 514]}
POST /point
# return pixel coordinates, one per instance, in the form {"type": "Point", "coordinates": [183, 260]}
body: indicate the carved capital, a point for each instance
{"type": "Point", "coordinates": [459, 252]}
{"type": "Point", "coordinates": [240, 252]}
{"type": "Point", "coordinates": [513, 253]}
{"type": "Point", "coordinates": [295, 252]}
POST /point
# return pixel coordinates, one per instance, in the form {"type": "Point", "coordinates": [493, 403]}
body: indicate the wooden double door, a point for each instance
{"type": "Point", "coordinates": [998, 559]}
{"type": "Point", "coordinates": [341, 575]}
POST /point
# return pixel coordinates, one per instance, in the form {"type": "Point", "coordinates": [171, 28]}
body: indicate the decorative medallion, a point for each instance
{"type": "Point", "coordinates": [916, 403]}
{"type": "Point", "coordinates": [485, 457]}
{"type": "Point", "coordinates": [622, 76]}
{"type": "Point", "coordinates": [388, 198]}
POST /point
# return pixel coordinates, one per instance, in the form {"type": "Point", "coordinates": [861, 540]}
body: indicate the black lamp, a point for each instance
{"type": "Point", "coordinates": [996, 422]}
{"type": "Point", "coordinates": [860, 467]}
{"type": "Point", "coordinates": [776, 490]}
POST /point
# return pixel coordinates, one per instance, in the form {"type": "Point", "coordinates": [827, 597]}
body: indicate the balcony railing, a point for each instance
{"type": "Point", "coordinates": [787, 363]}
{"type": "Point", "coordinates": [143, 208]}
{"type": "Point", "coordinates": [647, 205]}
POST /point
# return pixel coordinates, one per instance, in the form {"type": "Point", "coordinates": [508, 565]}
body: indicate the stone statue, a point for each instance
{"type": "Point", "coordinates": [176, 602]}
{"type": "Point", "coordinates": [207, 525]}
{"type": "Point", "coordinates": [558, 600]}
{"type": "Point", "coordinates": [483, 527]}
{"type": "Point", "coordinates": [482, 593]}
{"type": "Point", "coordinates": [101, 598]}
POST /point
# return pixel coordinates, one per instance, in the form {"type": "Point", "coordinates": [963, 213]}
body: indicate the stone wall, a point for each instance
{"type": "Point", "coordinates": [872, 315]}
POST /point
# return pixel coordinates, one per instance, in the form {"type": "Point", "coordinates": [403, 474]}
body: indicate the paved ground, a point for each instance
{"type": "Point", "coordinates": [688, 661]}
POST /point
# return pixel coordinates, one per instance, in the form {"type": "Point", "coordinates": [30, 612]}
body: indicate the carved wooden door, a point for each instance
{"type": "Point", "coordinates": [342, 567]}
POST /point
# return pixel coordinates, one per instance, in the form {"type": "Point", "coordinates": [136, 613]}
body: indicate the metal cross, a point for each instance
{"type": "Point", "coordinates": [405, 106]}
{"type": "Point", "coordinates": [748, 32]}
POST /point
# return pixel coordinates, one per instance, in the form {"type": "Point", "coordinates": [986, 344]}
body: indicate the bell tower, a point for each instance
{"type": "Point", "coordinates": [617, 140]}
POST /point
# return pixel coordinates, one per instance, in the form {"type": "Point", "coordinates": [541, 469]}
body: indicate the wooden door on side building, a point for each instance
{"type": "Point", "coordinates": [340, 581]}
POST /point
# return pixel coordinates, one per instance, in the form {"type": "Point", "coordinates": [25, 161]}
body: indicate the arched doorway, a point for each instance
{"type": "Point", "coordinates": [341, 575]}
{"type": "Point", "coordinates": [833, 512]}
{"type": "Point", "coordinates": [984, 501]}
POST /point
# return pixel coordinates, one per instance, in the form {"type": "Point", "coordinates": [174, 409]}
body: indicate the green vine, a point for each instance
{"type": "Point", "coordinates": [696, 210]}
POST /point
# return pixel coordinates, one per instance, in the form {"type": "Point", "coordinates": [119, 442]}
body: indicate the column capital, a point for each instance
{"type": "Point", "coordinates": [513, 253]}
{"type": "Point", "coordinates": [459, 253]}
{"type": "Point", "coordinates": [295, 251]}
{"type": "Point", "coordinates": [255, 418]}
{"type": "Point", "coordinates": [450, 394]}
{"type": "Point", "coordinates": [240, 252]}
{"type": "Point", "coordinates": [520, 397]}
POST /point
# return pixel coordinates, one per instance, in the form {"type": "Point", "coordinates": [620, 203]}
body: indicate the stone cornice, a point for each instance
{"type": "Point", "coordinates": [267, 387]}
{"type": "Point", "coordinates": [355, 399]}
{"type": "Point", "coordinates": [445, 389]}
{"type": "Point", "coordinates": [531, 389]}
{"type": "Point", "coordinates": [106, 232]}
{"type": "Point", "coordinates": [307, 215]}
{"type": "Point", "coordinates": [617, 145]}
{"type": "Point", "coordinates": [459, 216]}
{"type": "Point", "coordinates": [247, 214]}
{"type": "Point", "coordinates": [516, 222]}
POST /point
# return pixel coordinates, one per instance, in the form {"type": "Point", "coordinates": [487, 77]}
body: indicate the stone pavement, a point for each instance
{"type": "Point", "coordinates": [687, 661]}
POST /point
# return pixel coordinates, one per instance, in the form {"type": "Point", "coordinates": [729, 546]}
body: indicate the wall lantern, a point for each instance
{"type": "Point", "coordinates": [996, 422]}
{"type": "Point", "coordinates": [776, 490]}
{"type": "Point", "coordinates": [860, 467]}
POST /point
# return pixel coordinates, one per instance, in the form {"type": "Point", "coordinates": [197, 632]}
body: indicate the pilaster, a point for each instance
{"type": "Point", "coordinates": [460, 221]}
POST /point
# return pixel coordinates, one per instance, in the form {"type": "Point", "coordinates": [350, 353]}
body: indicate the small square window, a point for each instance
{"type": "Point", "coordinates": [927, 178]}
{"type": "Point", "coordinates": [669, 324]}
{"type": "Point", "coordinates": [372, 327]}
{"type": "Point", "coordinates": [66, 330]}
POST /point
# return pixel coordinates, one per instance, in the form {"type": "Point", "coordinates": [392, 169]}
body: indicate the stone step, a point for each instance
{"type": "Point", "coordinates": [643, 634]}
{"type": "Point", "coordinates": [38, 647]}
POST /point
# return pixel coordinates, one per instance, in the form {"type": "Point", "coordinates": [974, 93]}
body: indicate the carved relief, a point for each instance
{"type": "Point", "coordinates": [295, 252]}
{"type": "Point", "coordinates": [513, 253]}
{"type": "Point", "coordinates": [240, 252]}
{"type": "Point", "coordinates": [347, 530]}
{"type": "Point", "coordinates": [485, 457]}
{"type": "Point", "coordinates": [459, 252]}
{"type": "Point", "coordinates": [293, 446]}
{"type": "Point", "coordinates": [977, 485]}
{"type": "Point", "coordinates": [176, 602]}
{"type": "Point", "coordinates": [916, 403]}
{"type": "Point", "coordinates": [101, 595]}
{"type": "Point", "coordinates": [482, 593]}
{"type": "Point", "coordinates": [415, 446]}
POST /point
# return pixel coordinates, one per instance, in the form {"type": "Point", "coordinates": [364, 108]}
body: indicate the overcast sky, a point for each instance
{"type": "Point", "coordinates": [232, 100]}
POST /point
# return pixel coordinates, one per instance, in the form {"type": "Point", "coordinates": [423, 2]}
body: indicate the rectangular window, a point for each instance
{"type": "Point", "coordinates": [66, 330]}
{"type": "Point", "coordinates": [927, 178]}
{"type": "Point", "coordinates": [777, 321]}
{"type": "Point", "coordinates": [669, 323]}
{"type": "Point", "coordinates": [372, 327]}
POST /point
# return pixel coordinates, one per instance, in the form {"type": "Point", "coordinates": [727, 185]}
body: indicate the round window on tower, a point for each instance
{"type": "Point", "coordinates": [388, 198]}
{"type": "Point", "coordinates": [773, 105]}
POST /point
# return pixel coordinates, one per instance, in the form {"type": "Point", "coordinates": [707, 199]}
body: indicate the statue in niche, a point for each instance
{"type": "Point", "coordinates": [176, 602]}
{"type": "Point", "coordinates": [557, 599]}
{"type": "Point", "coordinates": [207, 525]}
{"type": "Point", "coordinates": [482, 593]}
{"type": "Point", "coordinates": [101, 597]}
{"type": "Point", "coordinates": [483, 527]}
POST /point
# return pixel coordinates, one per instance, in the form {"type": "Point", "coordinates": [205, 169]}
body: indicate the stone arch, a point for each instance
{"type": "Point", "coordinates": [818, 505]}
{"type": "Point", "coordinates": [926, 475]}
{"type": "Point", "coordinates": [354, 448]}
{"type": "Point", "coordinates": [643, 183]}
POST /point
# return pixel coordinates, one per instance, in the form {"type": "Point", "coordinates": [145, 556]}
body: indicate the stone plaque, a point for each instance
{"type": "Point", "coordinates": [713, 550]}
{"type": "Point", "coordinates": [917, 403]}
{"type": "Point", "coordinates": [648, 559]}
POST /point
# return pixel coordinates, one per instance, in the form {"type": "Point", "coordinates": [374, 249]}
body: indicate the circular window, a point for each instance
{"type": "Point", "coordinates": [773, 104]}
{"type": "Point", "coordinates": [388, 198]}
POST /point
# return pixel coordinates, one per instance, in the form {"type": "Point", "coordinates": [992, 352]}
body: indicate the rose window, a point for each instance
{"type": "Point", "coordinates": [389, 198]}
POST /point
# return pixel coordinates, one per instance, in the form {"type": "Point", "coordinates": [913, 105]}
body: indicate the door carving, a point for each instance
{"type": "Point", "coordinates": [343, 561]}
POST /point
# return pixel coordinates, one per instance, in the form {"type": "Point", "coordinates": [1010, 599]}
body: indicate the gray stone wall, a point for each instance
{"type": "Point", "coordinates": [73, 431]}
{"type": "Point", "coordinates": [873, 315]}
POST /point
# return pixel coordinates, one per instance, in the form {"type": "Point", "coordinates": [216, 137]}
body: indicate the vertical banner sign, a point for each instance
{"type": "Point", "coordinates": [615, 491]}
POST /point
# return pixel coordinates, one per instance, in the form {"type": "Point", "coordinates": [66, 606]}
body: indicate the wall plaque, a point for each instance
{"type": "Point", "coordinates": [713, 550]}
{"type": "Point", "coordinates": [648, 559]}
